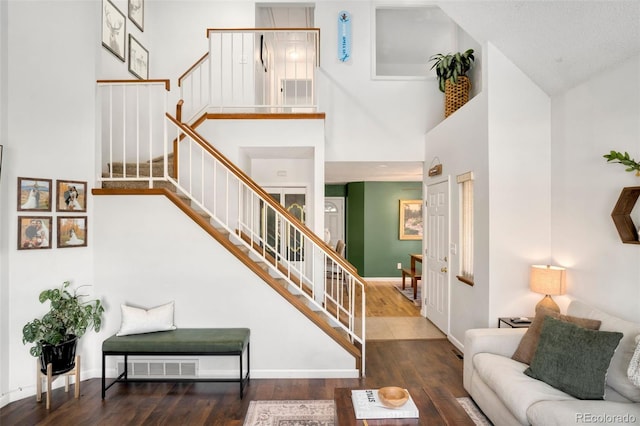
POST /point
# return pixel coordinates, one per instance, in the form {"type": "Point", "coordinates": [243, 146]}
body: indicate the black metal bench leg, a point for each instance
{"type": "Point", "coordinates": [241, 376]}
{"type": "Point", "coordinates": [104, 383]}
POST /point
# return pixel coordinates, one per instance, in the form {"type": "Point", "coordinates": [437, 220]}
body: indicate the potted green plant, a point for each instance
{"type": "Point", "coordinates": [451, 70]}
{"type": "Point", "coordinates": [56, 334]}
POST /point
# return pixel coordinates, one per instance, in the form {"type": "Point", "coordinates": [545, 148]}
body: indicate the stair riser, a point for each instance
{"type": "Point", "coordinates": [133, 170]}
{"type": "Point", "coordinates": [136, 185]}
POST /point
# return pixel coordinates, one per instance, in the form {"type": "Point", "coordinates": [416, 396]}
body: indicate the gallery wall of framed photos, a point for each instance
{"type": "Point", "coordinates": [126, 46]}
{"type": "Point", "coordinates": [36, 197]}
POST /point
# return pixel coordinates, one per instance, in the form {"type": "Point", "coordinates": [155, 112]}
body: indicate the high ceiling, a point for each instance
{"type": "Point", "coordinates": [559, 44]}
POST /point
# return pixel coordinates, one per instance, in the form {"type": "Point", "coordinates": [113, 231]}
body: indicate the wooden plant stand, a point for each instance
{"type": "Point", "coordinates": [49, 377]}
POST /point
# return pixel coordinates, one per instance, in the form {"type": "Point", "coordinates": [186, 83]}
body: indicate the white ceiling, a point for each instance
{"type": "Point", "coordinates": [383, 171]}
{"type": "Point", "coordinates": [559, 44]}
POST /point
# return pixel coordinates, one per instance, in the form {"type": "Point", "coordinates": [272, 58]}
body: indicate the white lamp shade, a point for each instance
{"type": "Point", "coordinates": [547, 279]}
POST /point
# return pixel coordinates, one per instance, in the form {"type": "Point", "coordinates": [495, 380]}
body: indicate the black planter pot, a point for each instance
{"type": "Point", "coordinates": [61, 356]}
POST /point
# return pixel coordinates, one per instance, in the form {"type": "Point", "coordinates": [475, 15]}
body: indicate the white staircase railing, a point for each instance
{"type": "Point", "coordinates": [133, 132]}
{"type": "Point", "coordinates": [253, 70]}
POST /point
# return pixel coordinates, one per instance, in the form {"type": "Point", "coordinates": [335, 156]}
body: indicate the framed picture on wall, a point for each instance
{"type": "Point", "coordinates": [34, 194]}
{"type": "Point", "coordinates": [71, 196]}
{"type": "Point", "coordinates": [72, 231]}
{"type": "Point", "coordinates": [136, 13]}
{"type": "Point", "coordinates": [411, 227]}
{"type": "Point", "coordinates": [138, 59]}
{"type": "Point", "coordinates": [114, 29]}
{"type": "Point", "coordinates": [34, 232]}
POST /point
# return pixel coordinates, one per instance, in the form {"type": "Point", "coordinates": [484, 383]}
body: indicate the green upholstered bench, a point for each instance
{"type": "Point", "coordinates": [183, 341]}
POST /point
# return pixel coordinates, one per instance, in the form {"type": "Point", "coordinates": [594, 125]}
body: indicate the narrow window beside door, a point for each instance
{"type": "Point", "coordinates": [465, 183]}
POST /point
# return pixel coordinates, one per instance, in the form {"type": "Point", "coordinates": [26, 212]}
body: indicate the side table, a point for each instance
{"type": "Point", "coordinates": [508, 321]}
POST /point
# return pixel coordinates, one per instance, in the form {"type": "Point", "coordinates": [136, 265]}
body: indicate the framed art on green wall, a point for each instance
{"type": "Point", "coordinates": [410, 220]}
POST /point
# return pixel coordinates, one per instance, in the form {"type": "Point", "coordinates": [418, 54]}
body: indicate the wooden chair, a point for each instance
{"type": "Point", "coordinates": [414, 276]}
{"type": "Point", "coordinates": [331, 270]}
{"type": "Point", "coordinates": [49, 377]}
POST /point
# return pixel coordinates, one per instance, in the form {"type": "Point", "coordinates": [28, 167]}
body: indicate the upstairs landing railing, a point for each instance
{"type": "Point", "coordinates": [133, 133]}
{"type": "Point", "coordinates": [253, 70]}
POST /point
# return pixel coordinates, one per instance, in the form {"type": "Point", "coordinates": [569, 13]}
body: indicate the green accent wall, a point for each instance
{"type": "Point", "coordinates": [373, 244]}
{"type": "Point", "coordinates": [333, 190]}
{"type": "Point", "coordinates": [355, 225]}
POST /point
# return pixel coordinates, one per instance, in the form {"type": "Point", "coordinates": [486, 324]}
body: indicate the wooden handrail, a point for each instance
{"type": "Point", "coordinates": [179, 106]}
{"type": "Point", "coordinates": [244, 178]}
{"type": "Point", "coordinates": [192, 67]}
{"type": "Point", "coordinates": [167, 83]}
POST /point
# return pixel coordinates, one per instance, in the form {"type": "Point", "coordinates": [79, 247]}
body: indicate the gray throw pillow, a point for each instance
{"type": "Point", "coordinates": [529, 342]}
{"type": "Point", "coordinates": [573, 359]}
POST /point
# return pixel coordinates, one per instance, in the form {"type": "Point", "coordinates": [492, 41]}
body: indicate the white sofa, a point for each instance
{"type": "Point", "coordinates": [509, 397]}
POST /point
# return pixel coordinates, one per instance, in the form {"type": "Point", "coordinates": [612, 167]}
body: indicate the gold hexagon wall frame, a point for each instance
{"type": "Point", "coordinates": [621, 215]}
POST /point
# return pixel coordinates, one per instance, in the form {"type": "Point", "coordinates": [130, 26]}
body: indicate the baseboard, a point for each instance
{"type": "Point", "coordinates": [259, 374]}
{"type": "Point", "coordinates": [398, 279]}
{"type": "Point", "coordinates": [305, 374]}
{"type": "Point", "coordinates": [455, 342]}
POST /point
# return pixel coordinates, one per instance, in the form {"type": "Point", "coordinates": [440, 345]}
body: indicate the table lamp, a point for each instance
{"type": "Point", "coordinates": [550, 281]}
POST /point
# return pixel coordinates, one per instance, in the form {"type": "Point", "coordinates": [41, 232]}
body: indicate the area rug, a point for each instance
{"type": "Point", "coordinates": [473, 411]}
{"type": "Point", "coordinates": [291, 413]}
{"type": "Point", "coordinates": [408, 293]}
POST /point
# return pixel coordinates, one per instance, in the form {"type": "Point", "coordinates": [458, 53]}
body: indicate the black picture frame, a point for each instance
{"type": "Point", "coordinates": [136, 13]}
{"type": "Point", "coordinates": [114, 29]}
{"type": "Point", "coordinates": [138, 59]}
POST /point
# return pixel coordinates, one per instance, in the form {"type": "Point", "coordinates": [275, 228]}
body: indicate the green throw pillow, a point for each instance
{"type": "Point", "coordinates": [573, 359]}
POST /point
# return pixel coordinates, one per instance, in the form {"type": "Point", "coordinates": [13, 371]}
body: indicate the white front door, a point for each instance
{"type": "Point", "coordinates": [334, 219]}
{"type": "Point", "coordinates": [437, 264]}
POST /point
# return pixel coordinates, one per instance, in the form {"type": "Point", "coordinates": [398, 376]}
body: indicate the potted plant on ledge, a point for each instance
{"type": "Point", "coordinates": [451, 70]}
{"type": "Point", "coordinates": [56, 334]}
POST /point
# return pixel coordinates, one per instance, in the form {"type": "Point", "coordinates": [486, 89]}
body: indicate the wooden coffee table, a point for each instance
{"type": "Point", "coordinates": [436, 406]}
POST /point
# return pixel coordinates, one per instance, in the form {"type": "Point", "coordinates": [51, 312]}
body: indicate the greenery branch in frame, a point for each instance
{"type": "Point", "coordinates": [410, 220]}
{"type": "Point", "coordinates": [624, 159]}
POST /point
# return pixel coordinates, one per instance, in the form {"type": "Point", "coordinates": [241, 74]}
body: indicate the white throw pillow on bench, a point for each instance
{"type": "Point", "coordinates": [138, 320]}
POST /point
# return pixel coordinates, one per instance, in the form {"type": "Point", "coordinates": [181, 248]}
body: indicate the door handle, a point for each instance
{"type": "Point", "coordinates": [443, 269]}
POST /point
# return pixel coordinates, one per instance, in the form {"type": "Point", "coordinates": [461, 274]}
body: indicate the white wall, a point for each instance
{"type": "Point", "coordinates": [369, 120]}
{"type": "Point", "coordinates": [4, 200]}
{"type": "Point", "coordinates": [461, 145]}
{"type": "Point", "coordinates": [243, 141]}
{"type": "Point", "coordinates": [519, 186]}
{"type": "Point", "coordinates": [502, 136]}
{"type": "Point", "coordinates": [588, 122]}
{"type": "Point", "coordinates": [143, 262]}
{"type": "Point", "coordinates": [48, 129]}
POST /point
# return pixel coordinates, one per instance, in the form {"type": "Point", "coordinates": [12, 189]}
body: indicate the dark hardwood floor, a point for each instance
{"type": "Point", "coordinates": [406, 363]}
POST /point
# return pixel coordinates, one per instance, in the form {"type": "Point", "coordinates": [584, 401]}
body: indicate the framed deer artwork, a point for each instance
{"type": "Point", "coordinates": [136, 13]}
{"type": "Point", "coordinates": [114, 29]}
